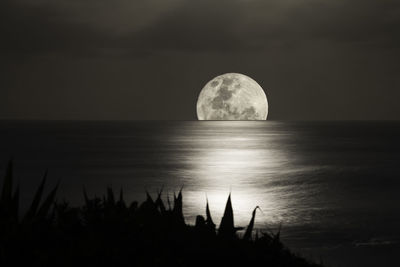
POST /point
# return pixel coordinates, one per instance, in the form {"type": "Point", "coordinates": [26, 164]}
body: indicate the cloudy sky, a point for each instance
{"type": "Point", "coordinates": [149, 59]}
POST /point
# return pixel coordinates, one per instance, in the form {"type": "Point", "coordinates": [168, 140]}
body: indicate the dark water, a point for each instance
{"type": "Point", "coordinates": [334, 186]}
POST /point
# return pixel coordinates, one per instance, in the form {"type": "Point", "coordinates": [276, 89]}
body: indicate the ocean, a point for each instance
{"type": "Point", "coordinates": [332, 187]}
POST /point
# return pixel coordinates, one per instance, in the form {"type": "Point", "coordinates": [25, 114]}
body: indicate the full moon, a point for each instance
{"type": "Point", "coordinates": [232, 96]}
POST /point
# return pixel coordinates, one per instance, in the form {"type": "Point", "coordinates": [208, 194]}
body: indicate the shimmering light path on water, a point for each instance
{"type": "Point", "coordinates": [333, 186]}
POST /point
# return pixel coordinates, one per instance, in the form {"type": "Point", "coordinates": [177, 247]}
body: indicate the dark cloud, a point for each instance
{"type": "Point", "coordinates": [195, 25]}
{"type": "Point", "coordinates": [149, 59]}
{"type": "Point", "coordinates": [243, 25]}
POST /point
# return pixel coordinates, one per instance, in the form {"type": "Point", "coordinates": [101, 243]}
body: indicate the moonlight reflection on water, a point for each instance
{"type": "Point", "coordinates": [232, 160]}
{"type": "Point", "coordinates": [332, 185]}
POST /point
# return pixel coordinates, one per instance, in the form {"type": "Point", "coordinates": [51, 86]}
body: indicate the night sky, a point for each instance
{"type": "Point", "coordinates": [149, 59]}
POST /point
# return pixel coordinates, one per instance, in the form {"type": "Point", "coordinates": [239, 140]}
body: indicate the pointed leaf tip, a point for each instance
{"type": "Point", "coordinates": [36, 199]}
{"type": "Point", "coordinates": [46, 205]}
{"type": "Point", "coordinates": [249, 230]}
{"type": "Point", "coordinates": [227, 227]}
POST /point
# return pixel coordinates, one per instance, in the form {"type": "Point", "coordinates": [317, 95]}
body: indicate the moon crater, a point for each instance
{"type": "Point", "coordinates": [232, 96]}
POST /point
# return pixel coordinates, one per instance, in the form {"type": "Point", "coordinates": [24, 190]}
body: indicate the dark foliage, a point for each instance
{"type": "Point", "coordinates": [108, 232]}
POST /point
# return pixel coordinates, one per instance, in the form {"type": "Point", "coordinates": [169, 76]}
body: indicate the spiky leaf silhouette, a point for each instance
{"type": "Point", "coordinates": [145, 229]}
{"type": "Point", "coordinates": [110, 196]}
{"type": "Point", "coordinates": [121, 202]}
{"type": "Point", "coordinates": [178, 210]}
{"type": "Point", "coordinates": [169, 202]}
{"type": "Point", "coordinates": [149, 198]}
{"type": "Point", "coordinates": [85, 196]}
{"type": "Point", "coordinates": [227, 227]}
{"type": "Point", "coordinates": [9, 201]}
{"type": "Point", "coordinates": [47, 203]}
{"type": "Point", "coordinates": [159, 203]}
{"type": "Point", "coordinates": [249, 230]}
{"type": "Point", "coordinates": [209, 221]}
{"type": "Point", "coordinates": [36, 199]}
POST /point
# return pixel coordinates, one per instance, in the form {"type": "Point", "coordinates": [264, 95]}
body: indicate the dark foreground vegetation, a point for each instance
{"type": "Point", "coordinates": [108, 232]}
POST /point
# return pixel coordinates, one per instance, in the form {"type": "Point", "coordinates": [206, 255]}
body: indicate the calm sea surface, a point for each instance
{"type": "Point", "coordinates": [333, 186]}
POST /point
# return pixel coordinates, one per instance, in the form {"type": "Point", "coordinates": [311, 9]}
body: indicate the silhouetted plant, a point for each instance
{"type": "Point", "coordinates": [107, 231]}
